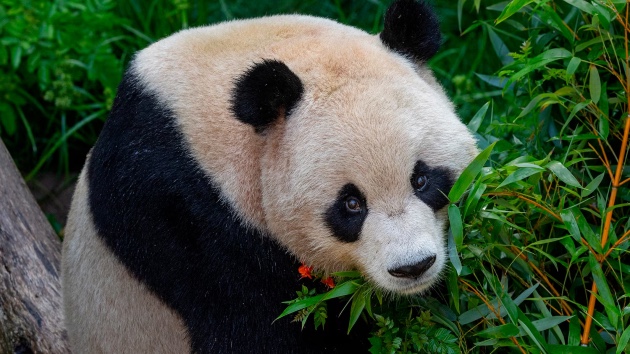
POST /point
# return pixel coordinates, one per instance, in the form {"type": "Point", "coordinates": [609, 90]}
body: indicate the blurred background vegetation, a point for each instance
{"type": "Point", "coordinates": [539, 242]}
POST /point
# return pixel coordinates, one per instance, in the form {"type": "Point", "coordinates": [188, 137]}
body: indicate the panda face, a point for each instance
{"type": "Point", "coordinates": [358, 177]}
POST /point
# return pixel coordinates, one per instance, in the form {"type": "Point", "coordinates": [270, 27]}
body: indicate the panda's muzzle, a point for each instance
{"type": "Point", "coordinates": [413, 270]}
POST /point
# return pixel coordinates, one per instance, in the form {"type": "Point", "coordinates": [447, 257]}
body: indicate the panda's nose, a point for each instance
{"type": "Point", "coordinates": [413, 270]}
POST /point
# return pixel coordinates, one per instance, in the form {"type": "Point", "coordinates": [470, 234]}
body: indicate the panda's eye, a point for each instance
{"type": "Point", "coordinates": [420, 182]}
{"type": "Point", "coordinates": [353, 204]}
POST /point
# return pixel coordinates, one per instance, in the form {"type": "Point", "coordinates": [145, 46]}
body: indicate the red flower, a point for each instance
{"type": "Point", "coordinates": [305, 271]}
{"type": "Point", "coordinates": [329, 282]}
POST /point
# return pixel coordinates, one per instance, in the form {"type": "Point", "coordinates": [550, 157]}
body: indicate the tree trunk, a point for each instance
{"type": "Point", "coordinates": [31, 315]}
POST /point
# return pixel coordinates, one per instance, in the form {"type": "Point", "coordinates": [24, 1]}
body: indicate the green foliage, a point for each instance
{"type": "Point", "coordinates": [60, 63]}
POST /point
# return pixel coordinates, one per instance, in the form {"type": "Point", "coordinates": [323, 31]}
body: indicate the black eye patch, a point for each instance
{"type": "Point", "coordinates": [431, 185]}
{"type": "Point", "coordinates": [346, 215]}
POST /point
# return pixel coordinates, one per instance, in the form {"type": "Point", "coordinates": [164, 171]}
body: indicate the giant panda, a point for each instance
{"type": "Point", "coordinates": [236, 151]}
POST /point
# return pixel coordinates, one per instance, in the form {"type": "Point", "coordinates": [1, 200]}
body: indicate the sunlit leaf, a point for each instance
{"type": "Point", "coordinates": [512, 8]}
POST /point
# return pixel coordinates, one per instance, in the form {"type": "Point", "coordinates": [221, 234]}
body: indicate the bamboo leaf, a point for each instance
{"type": "Point", "coordinates": [574, 331]}
{"type": "Point", "coordinates": [549, 322]}
{"type": "Point", "coordinates": [511, 9]}
{"type": "Point", "coordinates": [469, 174]}
{"type": "Point", "coordinates": [592, 186]}
{"type": "Point", "coordinates": [357, 306]}
{"type": "Point", "coordinates": [582, 5]}
{"type": "Point", "coordinates": [573, 65]}
{"type": "Point", "coordinates": [475, 122]}
{"type": "Point", "coordinates": [563, 173]}
{"type": "Point", "coordinates": [541, 60]}
{"type": "Point", "coordinates": [453, 255]}
{"type": "Point", "coordinates": [594, 84]}
{"type": "Point", "coordinates": [455, 219]}
{"type": "Point", "coordinates": [623, 341]}
{"type": "Point", "coordinates": [518, 175]}
{"type": "Point", "coordinates": [571, 224]}
{"type": "Point", "coordinates": [606, 296]}
{"type": "Point", "coordinates": [603, 127]}
{"type": "Point", "coordinates": [503, 331]}
{"type": "Point", "coordinates": [342, 289]}
{"type": "Point", "coordinates": [8, 118]}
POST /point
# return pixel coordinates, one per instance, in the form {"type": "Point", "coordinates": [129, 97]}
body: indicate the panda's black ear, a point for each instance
{"type": "Point", "coordinates": [265, 92]}
{"type": "Point", "coordinates": [412, 29]}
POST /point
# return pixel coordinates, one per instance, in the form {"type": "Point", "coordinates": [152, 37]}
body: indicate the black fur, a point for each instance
{"type": "Point", "coordinates": [412, 29]}
{"type": "Point", "coordinates": [440, 182]}
{"type": "Point", "coordinates": [346, 225]}
{"type": "Point", "coordinates": [164, 219]}
{"type": "Point", "coordinates": [266, 92]}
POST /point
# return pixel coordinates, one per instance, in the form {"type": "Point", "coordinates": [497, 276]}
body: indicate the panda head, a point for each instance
{"type": "Point", "coordinates": [361, 149]}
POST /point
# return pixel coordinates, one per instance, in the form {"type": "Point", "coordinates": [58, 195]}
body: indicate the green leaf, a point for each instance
{"type": "Point", "coordinates": [582, 5]}
{"type": "Point", "coordinates": [511, 9]}
{"type": "Point", "coordinates": [16, 56]}
{"type": "Point", "coordinates": [574, 331]}
{"type": "Point", "coordinates": [549, 16]}
{"type": "Point", "coordinates": [500, 49]}
{"type": "Point", "coordinates": [534, 102]}
{"type": "Point", "coordinates": [606, 297]}
{"type": "Point", "coordinates": [541, 60]}
{"type": "Point", "coordinates": [357, 306]}
{"type": "Point", "coordinates": [603, 127]}
{"type": "Point", "coordinates": [594, 84]}
{"type": "Point", "coordinates": [531, 331]}
{"type": "Point", "coordinates": [8, 118]}
{"type": "Point", "coordinates": [623, 341]}
{"type": "Point", "coordinates": [519, 174]}
{"type": "Point", "coordinates": [592, 186]}
{"type": "Point", "coordinates": [573, 65]}
{"type": "Point", "coordinates": [563, 173]}
{"type": "Point", "coordinates": [475, 122]}
{"type": "Point", "coordinates": [549, 322]}
{"type": "Point", "coordinates": [483, 310]}
{"type": "Point", "coordinates": [453, 255]}
{"type": "Point", "coordinates": [343, 289]}
{"type": "Point", "coordinates": [469, 174]}
{"type": "Point", "coordinates": [455, 219]}
{"type": "Point", "coordinates": [571, 224]}
{"type": "Point", "coordinates": [301, 304]}
{"type": "Point", "coordinates": [452, 286]}
{"type": "Point", "coordinates": [504, 331]}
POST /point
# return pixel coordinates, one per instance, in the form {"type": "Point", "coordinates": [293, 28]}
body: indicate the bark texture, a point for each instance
{"type": "Point", "coordinates": [31, 312]}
